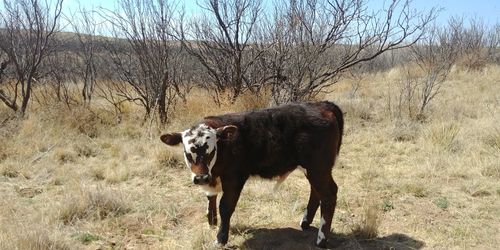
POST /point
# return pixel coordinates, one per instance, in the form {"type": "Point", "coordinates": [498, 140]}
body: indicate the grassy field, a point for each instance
{"type": "Point", "coordinates": [78, 179]}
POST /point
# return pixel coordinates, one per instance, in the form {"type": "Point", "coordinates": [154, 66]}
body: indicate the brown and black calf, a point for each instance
{"type": "Point", "coordinates": [223, 151]}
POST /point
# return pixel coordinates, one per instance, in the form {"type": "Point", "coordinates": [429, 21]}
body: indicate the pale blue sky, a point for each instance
{"type": "Point", "coordinates": [488, 10]}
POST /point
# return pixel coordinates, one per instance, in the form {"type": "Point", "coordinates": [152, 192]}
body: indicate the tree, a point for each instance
{"type": "Point", "coordinates": [85, 29]}
{"type": "Point", "coordinates": [28, 27]}
{"type": "Point", "coordinates": [313, 41]}
{"type": "Point", "coordinates": [56, 73]}
{"type": "Point", "coordinates": [148, 62]}
{"type": "Point", "coordinates": [477, 42]}
{"type": "Point", "coordinates": [434, 55]}
{"type": "Point", "coordinates": [223, 40]}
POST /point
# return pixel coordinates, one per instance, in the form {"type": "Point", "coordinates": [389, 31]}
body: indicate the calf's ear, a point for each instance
{"type": "Point", "coordinates": [227, 133]}
{"type": "Point", "coordinates": [171, 139]}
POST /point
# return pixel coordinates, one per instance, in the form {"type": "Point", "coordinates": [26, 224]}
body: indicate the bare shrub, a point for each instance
{"type": "Point", "coordinates": [313, 42]}
{"type": "Point", "coordinates": [434, 55]}
{"type": "Point", "coordinates": [299, 48]}
{"type": "Point", "coordinates": [223, 39]}
{"type": "Point", "coordinates": [57, 84]}
{"type": "Point", "coordinates": [425, 75]}
{"type": "Point", "coordinates": [357, 77]}
{"type": "Point", "coordinates": [147, 64]}
{"type": "Point", "coordinates": [85, 27]}
{"type": "Point", "coordinates": [404, 103]}
{"type": "Point", "coordinates": [251, 101]}
{"type": "Point", "coordinates": [25, 39]}
{"type": "Point", "coordinates": [478, 43]}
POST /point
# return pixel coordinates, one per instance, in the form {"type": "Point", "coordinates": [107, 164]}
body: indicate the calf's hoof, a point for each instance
{"type": "Point", "coordinates": [305, 225]}
{"type": "Point", "coordinates": [222, 238]}
{"type": "Point", "coordinates": [212, 222]}
{"type": "Point", "coordinates": [321, 243]}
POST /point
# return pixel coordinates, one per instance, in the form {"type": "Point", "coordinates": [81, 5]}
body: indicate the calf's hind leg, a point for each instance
{"type": "Point", "coordinates": [312, 207]}
{"type": "Point", "coordinates": [327, 191]}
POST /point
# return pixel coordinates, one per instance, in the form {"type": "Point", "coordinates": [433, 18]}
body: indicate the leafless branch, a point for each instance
{"type": "Point", "coordinates": [28, 29]}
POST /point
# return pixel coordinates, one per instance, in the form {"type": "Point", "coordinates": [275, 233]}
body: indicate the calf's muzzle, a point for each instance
{"type": "Point", "coordinates": [201, 179]}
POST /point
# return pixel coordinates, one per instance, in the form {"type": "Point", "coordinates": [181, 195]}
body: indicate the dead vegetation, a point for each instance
{"type": "Point", "coordinates": [81, 165]}
{"type": "Point", "coordinates": [92, 205]}
{"type": "Point", "coordinates": [78, 178]}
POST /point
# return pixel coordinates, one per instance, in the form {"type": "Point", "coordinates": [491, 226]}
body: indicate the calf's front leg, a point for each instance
{"type": "Point", "coordinates": [212, 210]}
{"type": "Point", "coordinates": [227, 205]}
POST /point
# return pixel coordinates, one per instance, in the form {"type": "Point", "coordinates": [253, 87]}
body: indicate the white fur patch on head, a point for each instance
{"type": "Point", "coordinates": [200, 136]}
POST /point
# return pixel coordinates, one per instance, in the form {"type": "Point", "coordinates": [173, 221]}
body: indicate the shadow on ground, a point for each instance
{"type": "Point", "coordinates": [292, 238]}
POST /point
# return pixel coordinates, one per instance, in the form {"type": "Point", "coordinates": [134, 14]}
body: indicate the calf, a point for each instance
{"type": "Point", "coordinates": [224, 151]}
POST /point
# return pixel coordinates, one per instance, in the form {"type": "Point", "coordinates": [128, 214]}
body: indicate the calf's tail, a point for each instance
{"type": "Point", "coordinates": [339, 116]}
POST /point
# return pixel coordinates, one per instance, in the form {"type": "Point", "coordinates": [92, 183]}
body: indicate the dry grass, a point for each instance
{"type": "Point", "coordinates": [80, 179]}
{"type": "Point", "coordinates": [92, 205]}
{"type": "Point", "coordinates": [33, 238]}
{"type": "Point", "coordinates": [367, 228]}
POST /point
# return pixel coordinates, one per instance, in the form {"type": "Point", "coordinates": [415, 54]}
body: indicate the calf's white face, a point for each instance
{"type": "Point", "coordinates": [200, 148]}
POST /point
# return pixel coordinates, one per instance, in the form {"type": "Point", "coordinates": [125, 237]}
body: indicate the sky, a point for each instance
{"type": "Point", "coordinates": [488, 10]}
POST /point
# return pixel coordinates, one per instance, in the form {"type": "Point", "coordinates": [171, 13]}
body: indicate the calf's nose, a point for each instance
{"type": "Point", "coordinates": [201, 179]}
